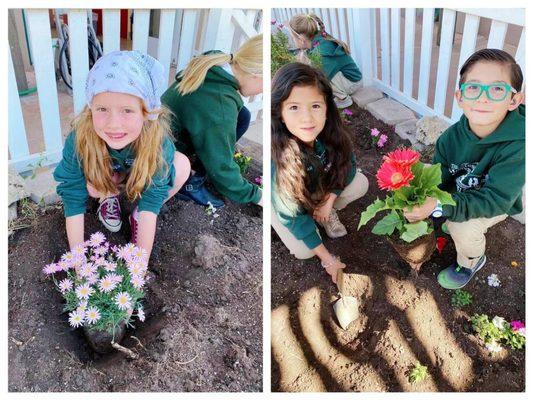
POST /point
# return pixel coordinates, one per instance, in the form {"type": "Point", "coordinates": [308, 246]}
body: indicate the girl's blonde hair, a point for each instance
{"type": "Point", "coordinates": [249, 57]}
{"type": "Point", "coordinates": [310, 25]}
{"type": "Point", "coordinates": [148, 148]}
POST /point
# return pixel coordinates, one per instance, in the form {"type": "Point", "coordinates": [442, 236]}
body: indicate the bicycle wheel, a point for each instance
{"type": "Point", "coordinates": [65, 75]}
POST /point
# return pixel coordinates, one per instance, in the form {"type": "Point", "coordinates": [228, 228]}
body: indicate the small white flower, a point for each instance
{"type": "Point", "coordinates": [123, 300]}
{"type": "Point", "coordinates": [84, 291]}
{"type": "Point", "coordinates": [493, 280]}
{"type": "Point", "coordinates": [498, 322]}
{"type": "Point", "coordinates": [140, 315]}
{"type": "Point", "coordinates": [493, 347]}
{"type": "Point", "coordinates": [92, 315]}
{"type": "Point", "coordinates": [65, 285]}
{"type": "Point", "coordinates": [76, 318]}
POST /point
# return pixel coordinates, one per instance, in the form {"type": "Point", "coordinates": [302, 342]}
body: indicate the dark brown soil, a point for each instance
{"type": "Point", "coordinates": [404, 318]}
{"type": "Point", "coordinates": [203, 330]}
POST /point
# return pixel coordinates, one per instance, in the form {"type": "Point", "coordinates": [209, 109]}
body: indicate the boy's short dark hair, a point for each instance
{"type": "Point", "coordinates": [497, 56]}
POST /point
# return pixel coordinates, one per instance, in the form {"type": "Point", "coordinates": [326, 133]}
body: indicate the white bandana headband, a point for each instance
{"type": "Point", "coordinates": [129, 72]}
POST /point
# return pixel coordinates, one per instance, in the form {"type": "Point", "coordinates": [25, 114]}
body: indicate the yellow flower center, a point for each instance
{"type": "Point", "coordinates": [396, 177]}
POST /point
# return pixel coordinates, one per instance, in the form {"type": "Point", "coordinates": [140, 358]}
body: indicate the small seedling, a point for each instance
{"type": "Point", "coordinates": [418, 373]}
{"type": "Point", "coordinates": [461, 298]}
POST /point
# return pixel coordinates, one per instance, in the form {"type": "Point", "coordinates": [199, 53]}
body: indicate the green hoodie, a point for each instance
{"type": "Point", "coordinates": [485, 176]}
{"type": "Point", "coordinates": [72, 187]}
{"type": "Point", "coordinates": [292, 215]}
{"type": "Point", "coordinates": [204, 123]}
{"type": "Point", "coordinates": [335, 59]}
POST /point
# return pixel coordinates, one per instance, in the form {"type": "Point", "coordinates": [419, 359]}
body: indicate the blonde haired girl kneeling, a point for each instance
{"type": "Point", "coordinates": [121, 137]}
{"type": "Point", "coordinates": [209, 118]}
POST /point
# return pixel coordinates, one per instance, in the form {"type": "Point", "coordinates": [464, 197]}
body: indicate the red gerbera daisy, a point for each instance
{"type": "Point", "coordinates": [402, 157]}
{"type": "Point", "coordinates": [392, 176]}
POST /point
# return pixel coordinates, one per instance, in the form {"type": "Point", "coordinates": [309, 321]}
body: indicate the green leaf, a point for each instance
{"type": "Point", "coordinates": [442, 196]}
{"type": "Point", "coordinates": [371, 211]}
{"type": "Point", "coordinates": [387, 225]}
{"type": "Point", "coordinates": [414, 231]}
{"type": "Point", "coordinates": [417, 169]}
{"type": "Point", "coordinates": [431, 176]}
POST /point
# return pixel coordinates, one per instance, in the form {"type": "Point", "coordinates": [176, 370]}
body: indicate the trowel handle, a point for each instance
{"type": "Point", "coordinates": [340, 281]}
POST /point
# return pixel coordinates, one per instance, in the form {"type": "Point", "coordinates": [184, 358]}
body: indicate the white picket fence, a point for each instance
{"type": "Point", "coordinates": [189, 32]}
{"type": "Point", "coordinates": [380, 48]}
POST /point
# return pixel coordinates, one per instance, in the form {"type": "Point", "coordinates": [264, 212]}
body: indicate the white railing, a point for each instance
{"type": "Point", "coordinates": [182, 35]}
{"type": "Point", "coordinates": [375, 44]}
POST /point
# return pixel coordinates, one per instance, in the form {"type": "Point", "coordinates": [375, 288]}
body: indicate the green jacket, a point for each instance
{"type": "Point", "coordinates": [485, 176]}
{"type": "Point", "coordinates": [292, 215]}
{"type": "Point", "coordinates": [72, 187]}
{"type": "Point", "coordinates": [205, 123]}
{"type": "Point", "coordinates": [335, 59]}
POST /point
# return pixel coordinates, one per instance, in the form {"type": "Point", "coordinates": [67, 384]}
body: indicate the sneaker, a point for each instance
{"type": "Point", "coordinates": [109, 214]}
{"type": "Point", "coordinates": [194, 189]}
{"type": "Point", "coordinates": [334, 227]}
{"type": "Point", "coordinates": [134, 222]}
{"type": "Point", "coordinates": [456, 277]}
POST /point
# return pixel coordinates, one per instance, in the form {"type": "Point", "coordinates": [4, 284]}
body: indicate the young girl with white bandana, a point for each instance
{"type": "Point", "coordinates": [122, 137]}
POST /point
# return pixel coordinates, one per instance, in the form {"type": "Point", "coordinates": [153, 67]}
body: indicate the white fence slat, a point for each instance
{"type": "Point", "coordinates": [395, 48]}
{"type": "Point", "coordinates": [353, 16]}
{"type": "Point", "coordinates": [141, 25]}
{"type": "Point", "coordinates": [513, 16]}
{"type": "Point", "coordinates": [79, 56]}
{"type": "Point", "coordinates": [188, 31]}
{"type": "Point", "coordinates": [385, 45]}
{"type": "Point", "coordinates": [327, 21]}
{"type": "Point", "coordinates": [374, 41]}
{"type": "Point", "coordinates": [468, 46]}
{"type": "Point", "coordinates": [445, 54]}
{"type": "Point", "coordinates": [409, 50]}
{"type": "Point", "coordinates": [520, 54]}
{"type": "Point", "coordinates": [111, 30]}
{"type": "Point", "coordinates": [17, 141]}
{"type": "Point", "coordinates": [166, 32]}
{"type": "Point", "coordinates": [498, 30]}
{"type": "Point", "coordinates": [244, 22]}
{"type": "Point", "coordinates": [342, 25]}
{"type": "Point", "coordinates": [43, 62]}
{"type": "Point", "coordinates": [425, 55]}
{"type": "Point", "coordinates": [219, 31]}
{"type": "Point", "coordinates": [362, 41]}
{"type": "Point", "coordinates": [335, 22]}
{"type": "Point", "coordinates": [176, 38]}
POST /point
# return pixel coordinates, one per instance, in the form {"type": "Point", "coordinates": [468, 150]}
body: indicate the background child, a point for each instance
{"type": "Point", "coordinates": [209, 118]}
{"type": "Point", "coordinates": [121, 136]}
{"type": "Point", "coordinates": [313, 164]}
{"type": "Point", "coordinates": [482, 159]}
{"type": "Point", "coordinates": [308, 32]}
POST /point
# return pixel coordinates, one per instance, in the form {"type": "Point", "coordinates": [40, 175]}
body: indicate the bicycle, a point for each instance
{"type": "Point", "coordinates": [64, 64]}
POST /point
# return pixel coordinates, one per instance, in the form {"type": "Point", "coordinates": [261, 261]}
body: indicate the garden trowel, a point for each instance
{"type": "Point", "coordinates": [347, 307]}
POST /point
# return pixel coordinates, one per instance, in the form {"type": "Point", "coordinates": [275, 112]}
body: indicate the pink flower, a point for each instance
{"type": "Point", "coordinates": [273, 22]}
{"type": "Point", "coordinates": [65, 285]}
{"type": "Point", "coordinates": [96, 239]}
{"type": "Point", "coordinates": [50, 269]}
{"type": "Point", "coordinates": [347, 112]}
{"type": "Point", "coordinates": [137, 281]}
{"type": "Point", "coordinates": [315, 44]}
{"type": "Point", "coordinates": [518, 327]}
{"type": "Point", "coordinates": [402, 157]}
{"type": "Point", "coordinates": [382, 140]}
{"type": "Point", "coordinates": [259, 180]}
{"type": "Point", "coordinates": [392, 177]}
{"type": "Point", "coordinates": [375, 132]}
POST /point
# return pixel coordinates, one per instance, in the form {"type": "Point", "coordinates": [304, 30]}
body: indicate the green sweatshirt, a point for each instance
{"type": "Point", "coordinates": [205, 123]}
{"type": "Point", "coordinates": [292, 215]}
{"type": "Point", "coordinates": [335, 59]}
{"type": "Point", "coordinates": [72, 187]}
{"type": "Point", "coordinates": [485, 176]}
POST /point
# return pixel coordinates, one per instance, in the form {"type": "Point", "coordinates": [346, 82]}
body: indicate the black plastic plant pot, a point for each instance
{"type": "Point", "coordinates": [100, 341]}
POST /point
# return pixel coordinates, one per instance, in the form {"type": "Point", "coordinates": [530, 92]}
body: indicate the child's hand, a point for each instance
{"type": "Point", "coordinates": [321, 213]}
{"type": "Point", "coordinates": [421, 212]}
{"type": "Point", "coordinates": [333, 267]}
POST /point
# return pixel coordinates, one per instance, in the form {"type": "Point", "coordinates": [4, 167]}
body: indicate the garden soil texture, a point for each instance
{"type": "Point", "coordinates": [203, 330]}
{"type": "Point", "coordinates": [404, 318]}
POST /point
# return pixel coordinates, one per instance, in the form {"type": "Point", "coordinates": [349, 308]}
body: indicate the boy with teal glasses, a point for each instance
{"type": "Point", "coordinates": [482, 159]}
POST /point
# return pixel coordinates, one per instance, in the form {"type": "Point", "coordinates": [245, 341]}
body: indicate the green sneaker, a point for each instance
{"type": "Point", "coordinates": [456, 277]}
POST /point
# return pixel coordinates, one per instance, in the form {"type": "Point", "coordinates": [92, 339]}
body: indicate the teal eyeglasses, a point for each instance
{"type": "Point", "coordinates": [494, 91]}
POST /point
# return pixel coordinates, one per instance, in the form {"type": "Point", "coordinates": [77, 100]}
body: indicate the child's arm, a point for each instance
{"type": "Point", "coordinates": [146, 230]}
{"type": "Point", "coordinates": [75, 229]}
{"type": "Point", "coordinates": [330, 263]}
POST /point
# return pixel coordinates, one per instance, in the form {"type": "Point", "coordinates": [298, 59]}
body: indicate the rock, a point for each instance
{"type": "Point", "coordinates": [17, 187]}
{"type": "Point", "coordinates": [420, 147]}
{"type": "Point", "coordinates": [407, 130]}
{"type": "Point", "coordinates": [12, 212]}
{"type": "Point", "coordinates": [428, 129]}
{"type": "Point", "coordinates": [366, 95]}
{"type": "Point", "coordinates": [209, 252]}
{"type": "Point", "coordinates": [42, 188]}
{"type": "Point", "coordinates": [390, 111]}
